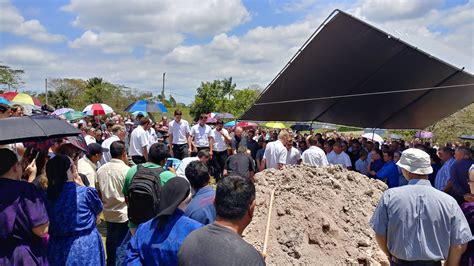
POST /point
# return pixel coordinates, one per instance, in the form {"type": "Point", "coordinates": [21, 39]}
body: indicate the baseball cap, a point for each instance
{"type": "Point", "coordinates": [95, 148]}
{"type": "Point", "coordinates": [415, 161]}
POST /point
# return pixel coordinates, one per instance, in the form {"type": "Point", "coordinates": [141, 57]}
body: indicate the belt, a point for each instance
{"type": "Point", "coordinates": [220, 151]}
{"type": "Point", "coordinates": [180, 144]}
{"type": "Point", "coordinates": [416, 262]}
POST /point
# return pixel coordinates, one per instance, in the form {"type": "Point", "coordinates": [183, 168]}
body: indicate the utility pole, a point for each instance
{"type": "Point", "coordinates": [46, 89]}
{"type": "Point", "coordinates": [163, 89]}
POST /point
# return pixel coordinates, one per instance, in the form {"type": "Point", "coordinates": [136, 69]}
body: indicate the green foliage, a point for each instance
{"type": "Point", "coordinates": [97, 91]}
{"type": "Point", "coordinates": [453, 126]}
{"type": "Point", "coordinates": [11, 77]}
{"type": "Point", "coordinates": [222, 96]}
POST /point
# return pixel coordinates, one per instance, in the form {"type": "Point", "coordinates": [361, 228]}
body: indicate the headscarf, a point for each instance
{"type": "Point", "coordinates": [175, 191]}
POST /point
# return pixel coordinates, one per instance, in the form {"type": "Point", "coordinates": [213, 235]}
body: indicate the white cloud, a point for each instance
{"type": "Point", "coordinates": [13, 22]}
{"type": "Point", "coordinates": [26, 56]}
{"type": "Point", "coordinates": [383, 10]}
{"type": "Point", "coordinates": [158, 25]}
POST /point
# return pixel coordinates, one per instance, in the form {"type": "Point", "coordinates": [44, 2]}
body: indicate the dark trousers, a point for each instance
{"type": "Point", "coordinates": [220, 157]}
{"type": "Point", "coordinates": [116, 232]}
{"type": "Point", "coordinates": [138, 159]}
{"type": "Point", "coordinates": [180, 151]}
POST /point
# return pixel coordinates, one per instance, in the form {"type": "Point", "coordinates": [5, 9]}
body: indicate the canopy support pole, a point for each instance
{"type": "Point", "coordinates": [418, 98]}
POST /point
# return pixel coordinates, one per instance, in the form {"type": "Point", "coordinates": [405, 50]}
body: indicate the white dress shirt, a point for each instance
{"type": "Point", "coordinates": [341, 158]}
{"type": "Point", "coordinates": [89, 169]}
{"type": "Point", "coordinates": [89, 139]}
{"type": "Point", "coordinates": [201, 135]}
{"type": "Point", "coordinates": [275, 153]}
{"type": "Point", "coordinates": [179, 131]}
{"type": "Point", "coordinates": [315, 156]}
{"type": "Point", "coordinates": [184, 163]}
{"type": "Point", "coordinates": [138, 140]}
{"type": "Point", "coordinates": [111, 177]}
{"type": "Point", "coordinates": [293, 156]}
{"type": "Point", "coordinates": [106, 145]}
{"type": "Point", "coordinates": [219, 140]}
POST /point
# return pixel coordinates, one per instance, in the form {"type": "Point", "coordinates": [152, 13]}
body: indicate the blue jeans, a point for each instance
{"type": "Point", "coordinates": [116, 232]}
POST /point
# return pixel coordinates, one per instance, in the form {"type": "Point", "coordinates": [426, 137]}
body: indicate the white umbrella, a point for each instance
{"type": "Point", "coordinates": [373, 137]}
{"type": "Point", "coordinates": [98, 109]}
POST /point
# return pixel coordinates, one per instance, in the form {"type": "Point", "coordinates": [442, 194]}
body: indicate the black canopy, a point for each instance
{"type": "Point", "coordinates": [351, 73]}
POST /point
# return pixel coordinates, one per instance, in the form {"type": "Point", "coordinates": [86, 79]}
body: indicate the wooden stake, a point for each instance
{"type": "Point", "coordinates": [267, 229]}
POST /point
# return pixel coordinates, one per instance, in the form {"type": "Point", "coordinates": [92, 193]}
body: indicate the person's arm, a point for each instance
{"type": "Point", "coordinates": [31, 171]}
{"type": "Point", "coordinates": [41, 230]}
{"type": "Point", "coordinates": [211, 145]}
{"type": "Point", "coordinates": [262, 165]}
{"type": "Point", "coordinates": [455, 253]}
{"type": "Point", "coordinates": [145, 152]}
{"type": "Point", "coordinates": [227, 138]}
{"type": "Point", "coordinates": [226, 173]}
{"type": "Point", "coordinates": [382, 242]}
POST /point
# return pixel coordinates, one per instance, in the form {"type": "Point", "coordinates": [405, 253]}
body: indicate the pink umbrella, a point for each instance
{"type": "Point", "coordinates": [424, 135]}
{"type": "Point", "coordinates": [97, 109]}
{"type": "Point", "coordinates": [246, 124]}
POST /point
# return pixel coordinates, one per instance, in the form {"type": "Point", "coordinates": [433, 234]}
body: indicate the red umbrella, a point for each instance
{"type": "Point", "coordinates": [246, 124]}
{"type": "Point", "coordinates": [97, 109]}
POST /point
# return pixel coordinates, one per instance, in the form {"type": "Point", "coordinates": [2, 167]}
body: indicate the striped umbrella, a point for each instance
{"type": "Point", "coordinates": [5, 101]}
{"type": "Point", "coordinates": [97, 109]}
{"type": "Point", "coordinates": [16, 97]}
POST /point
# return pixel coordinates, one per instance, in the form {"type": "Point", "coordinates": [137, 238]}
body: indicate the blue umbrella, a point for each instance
{"type": "Point", "coordinates": [5, 101]}
{"type": "Point", "coordinates": [230, 124]}
{"type": "Point", "coordinates": [151, 106]}
{"type": "Point", "coordinates": [301, 127]}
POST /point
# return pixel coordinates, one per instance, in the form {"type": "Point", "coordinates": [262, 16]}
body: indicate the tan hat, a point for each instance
{"type": "Point", "coordinates": [415, 161]}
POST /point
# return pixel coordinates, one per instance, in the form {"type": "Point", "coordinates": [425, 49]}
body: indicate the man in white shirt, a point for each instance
{"type": "Point", "coordinates": [151, 134]}
{"type": "Point", "coordinates": [111, 178]}
{"type": "Point", "coordinates": [201, 134]}
{"type": "Point", "coordinates": [90, 135]}
{"type": "Point", "coordinates": [118, 133]}
{"type": "Point", "coordinates": [293, 156]}
{"type": "Point", "coordinates": [179, 141]}
{"type": "Point", "coordinates": [202, 156]}
{"type": "Point", "coordinates": [276, 152]}
{"type": "Point", "coordinates": [221, 138]}
{"type": "Point", "coordinates": [314, 155]}
{"type": "Point", "coordinates": [338, 156]}
{"type": "Point", "coordinates": [87, 165]}
{"type": "Point", "coordinates": [139, 142]}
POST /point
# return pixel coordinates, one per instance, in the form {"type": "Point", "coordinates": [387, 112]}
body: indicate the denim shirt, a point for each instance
{"type": "Point", "coordinates": [420, 222]}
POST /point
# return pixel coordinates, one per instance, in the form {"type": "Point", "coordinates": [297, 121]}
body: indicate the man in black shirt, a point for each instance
{"type": "Point", "coordinates": [221, 243]}
{"type": "Point", "coordinates": [240, 164]}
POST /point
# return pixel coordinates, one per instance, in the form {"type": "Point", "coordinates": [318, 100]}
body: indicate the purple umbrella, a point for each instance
{"type": "Point", "coordinates": [61, 111]}
{"type": "Point", "coordinates": [424, 135]}
{"type": "Point", "coordinates": [223, 116]}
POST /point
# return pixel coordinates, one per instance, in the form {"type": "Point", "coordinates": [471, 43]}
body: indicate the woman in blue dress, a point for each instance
{"type": "Point", "coordinates": [73, 211]}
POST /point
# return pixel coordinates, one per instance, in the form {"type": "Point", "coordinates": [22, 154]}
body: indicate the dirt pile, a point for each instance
{"type": "Point", "coordinates": [320, 216]}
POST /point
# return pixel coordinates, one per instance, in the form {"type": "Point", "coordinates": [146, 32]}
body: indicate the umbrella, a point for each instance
{"type": "Point", "coordinates": [373, 136]}
{"type": "Point", "coordinates": [274, 125]}
{"type": "Point", "coordinates": [145, 114]}
{"type": "Point", "coordinates": [301, 127]}
{"type": "Point", "coordinates": [468, 137]}
{"type": "Point", "coordinates": [16, 97]}
{"type": "Point", "coordinates": [246, 124]}
{"type": "Point", "coordinates": [74, 115]}
{"type": "Point", "coordinates": [34, 128]}
{"type": "Point", "coordinates": [211, 120]}
{"type": "Point", "coordinates": [97, 109]}
{"type": "Point", "coordinates": [395, 136]}
{"type": "Point", "coordinates": [61, 111]}
{"type": "Point", "coordinates": [5, 101]}
{"type": "Point", "coordinates": [230, 124]}
{"type": "Point", "coordinates": [42, 145]}
{"type": "Point", "coordinates": [151, 106]}
{"type": "Point", "coordinates": [223, 116]}
{"type": "Point", "coordinates": [424, 135]}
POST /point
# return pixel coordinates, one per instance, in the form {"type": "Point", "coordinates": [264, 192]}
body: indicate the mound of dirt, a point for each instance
{"type": "Point", "coordinates": [320, 216]}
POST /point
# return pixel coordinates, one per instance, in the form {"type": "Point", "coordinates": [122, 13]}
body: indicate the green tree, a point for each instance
{"type": "Point", "coordinates": [11, 77]}
{"type": "Point", "coordinates": [172, 101]}
{"type": "Point", "coordinates": [242, 100]}
{"type": "Point", "coordinates": [97, 90]}
{"type": "Point", "coordinates": [208, 99]}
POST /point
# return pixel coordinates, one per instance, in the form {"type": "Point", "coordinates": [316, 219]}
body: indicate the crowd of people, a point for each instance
{"type": "Point", "coordinates": [153, 184]}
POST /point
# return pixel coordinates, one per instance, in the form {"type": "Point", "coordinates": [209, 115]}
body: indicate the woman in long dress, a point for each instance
{"type": "Point", "coordinates": [73, 210]}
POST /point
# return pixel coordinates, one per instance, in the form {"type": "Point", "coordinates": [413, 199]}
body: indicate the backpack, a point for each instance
{"type": "Point", "coordinates": [144, 194]}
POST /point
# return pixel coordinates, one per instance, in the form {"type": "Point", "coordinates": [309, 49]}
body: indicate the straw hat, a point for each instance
{"type": "Point", "coordinates": [416, 161]}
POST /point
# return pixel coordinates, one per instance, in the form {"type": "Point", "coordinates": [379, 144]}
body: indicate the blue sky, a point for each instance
{"type": "Point", "coordinates": [134, 42]}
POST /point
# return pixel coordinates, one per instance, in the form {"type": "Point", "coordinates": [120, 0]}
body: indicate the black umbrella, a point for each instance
{"type": "Point", "coordinates": [301, 127]}
{"type": "Point", "coordinates": [34, 128]}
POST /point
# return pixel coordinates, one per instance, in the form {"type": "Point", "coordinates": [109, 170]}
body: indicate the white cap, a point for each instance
{"type": "Point", "coordinates": [415, 161]}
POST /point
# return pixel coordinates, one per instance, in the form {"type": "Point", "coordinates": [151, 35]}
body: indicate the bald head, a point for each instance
{"type": "Point", "coordinates": [238, 131]}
